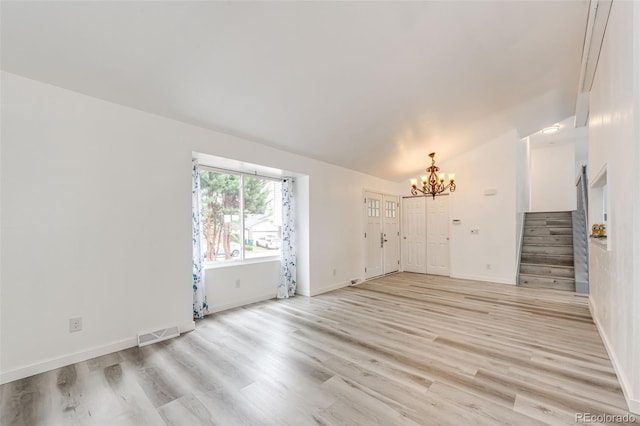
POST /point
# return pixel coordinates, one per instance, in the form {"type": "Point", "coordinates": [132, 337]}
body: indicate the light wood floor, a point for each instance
{"type": "Point", "coordinates": [400, 350]}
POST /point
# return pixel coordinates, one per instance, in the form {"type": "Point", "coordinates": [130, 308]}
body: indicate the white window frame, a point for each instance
{"type": "Point", "coordinates": [242, 260]}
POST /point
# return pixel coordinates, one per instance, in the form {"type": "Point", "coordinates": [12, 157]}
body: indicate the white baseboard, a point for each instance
{"type": "Point", "coordinates": [359, 280]}
{"type": "Point", "coordinates": [187, 327]}
{"type": "Point", "coordinates": [330, 288]}
{"type": "Point", "coordinates": [633, 404]}
{"type": "Point", "coordinates": [509, 281]}
{"type": "Point", "coordinates": [53, 363]}
{"type": "Point", "coordinates": [62, 361]}
{"type": "Point", "coordinates": [303, 292]}
{"type": "Point", "coordinates": [242, 302]}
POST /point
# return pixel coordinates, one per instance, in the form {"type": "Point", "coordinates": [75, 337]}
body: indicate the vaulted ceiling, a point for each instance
{"type": "Point", "coordinates": [371, 86]}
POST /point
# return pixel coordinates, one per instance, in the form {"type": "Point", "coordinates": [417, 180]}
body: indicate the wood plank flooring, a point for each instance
{"type": "Point", "coordinates": [406, 349]}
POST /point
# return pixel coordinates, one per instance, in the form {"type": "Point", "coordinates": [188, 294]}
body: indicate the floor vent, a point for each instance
{"type": "Point", "coordinates": [157, 336]}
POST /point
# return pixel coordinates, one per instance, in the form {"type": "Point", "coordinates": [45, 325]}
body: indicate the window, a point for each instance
{"type": "Point", "coordinates": [241, 216]}
{"type": "Point", "coordinates": [374, 208]}
{"type": "Point", "coordinates": [390, 210]}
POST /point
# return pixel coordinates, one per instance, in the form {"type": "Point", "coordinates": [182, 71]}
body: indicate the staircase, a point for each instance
{"type": "Point", "coordinates": [546, 260]}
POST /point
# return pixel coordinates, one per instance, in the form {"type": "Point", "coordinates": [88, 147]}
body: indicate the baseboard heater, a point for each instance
{"type": "Point", "coordinates": [150, 337]}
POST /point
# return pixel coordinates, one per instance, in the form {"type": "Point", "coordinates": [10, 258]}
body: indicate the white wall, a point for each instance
{"type": "Point", "coordinates": [523, 176]}
{"type": "Point", "coordinates": [489, 255]}
{"type": "Point", "coordinates": [553, 177]}
{"type": "Point", "coordinates": [582, 155]}
{"type": "Point", "coordinates": [523, 189]}
{"type": "Point", "coordinates": [614, 130]}
{"type": "Point", "coordinates": [93, 223]}
{"type": "Point", "coordinates": [96, 223]}
{"type": "Point", "coordinates": [256, 282]}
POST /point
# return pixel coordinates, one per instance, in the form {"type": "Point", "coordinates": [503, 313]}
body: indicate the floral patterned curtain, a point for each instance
{"type": "Point", "coordinates": [287, 284]}
{"type": "Point", "coordinates": [199, 298]}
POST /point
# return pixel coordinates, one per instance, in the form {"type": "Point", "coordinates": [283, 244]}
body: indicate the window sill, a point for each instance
{"type": "Point", "coordinates": [213, 265]}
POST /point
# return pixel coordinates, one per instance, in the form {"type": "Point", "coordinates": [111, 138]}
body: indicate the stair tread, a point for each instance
{"type": "Point", "coordinates": [539, 238]}
{"type": "Point", "coordinates": [547, 265]}
{"type": "Point", "coordinates": [547, 226]}
{"type": "Point", "coordinates": [555, 277]}
{"type": "Point", "coordinates": [547, 245]}
{"type": "Point", "coordinates": [545, 254]}
{"type": "Point", "coordinates": [546, 235]}
{"type": "Point", "coordinates": [545, 287]}
{"type": "Point", "coordinates": [552, 212]}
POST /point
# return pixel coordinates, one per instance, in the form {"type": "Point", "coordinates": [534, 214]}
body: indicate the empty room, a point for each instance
{"type": "Point", "coordinates": [319, 212]}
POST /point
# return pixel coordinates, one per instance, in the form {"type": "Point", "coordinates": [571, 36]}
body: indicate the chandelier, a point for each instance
{"type": "Point", "coordinates": [433, 183]}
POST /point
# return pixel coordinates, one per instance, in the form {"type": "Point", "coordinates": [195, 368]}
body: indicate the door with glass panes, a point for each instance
{"type": "Point", "coordinates": [382, 234]}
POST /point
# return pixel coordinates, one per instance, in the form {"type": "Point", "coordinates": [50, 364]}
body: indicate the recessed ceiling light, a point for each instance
{"type": "Point", "coordinates": [550, 129]}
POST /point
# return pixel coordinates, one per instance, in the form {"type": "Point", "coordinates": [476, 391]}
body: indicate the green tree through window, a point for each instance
{"type": "Point", "coordinates": [222, 218]}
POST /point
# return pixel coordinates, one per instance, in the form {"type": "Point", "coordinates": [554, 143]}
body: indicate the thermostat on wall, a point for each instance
{"type": "Point", "coordinates": [490, 191]}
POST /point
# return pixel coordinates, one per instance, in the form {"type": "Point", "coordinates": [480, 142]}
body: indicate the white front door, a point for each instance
{"type": "Point", "coordinates": [414, 240]}
{"type": "Point", "coordinates": [373, 235]}
{"type": "Point", "coordinates": [391, 233]}
{"type": "Point", "coordinates": [382, 234]}
{"type": "Point", "coordinates": [438, 235]}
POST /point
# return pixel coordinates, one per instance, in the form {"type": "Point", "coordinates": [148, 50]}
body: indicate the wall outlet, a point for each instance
{"type": "Point", "coordinates": [475, 231]}
{"type": "Point", "coordinates": [237, 283]}
{"type": "Point", "coordinates": [75, 324]}
{"type": "Point", "coordinates": [334, 272]}
{"type": "Point", "coordinates": [488, 266]}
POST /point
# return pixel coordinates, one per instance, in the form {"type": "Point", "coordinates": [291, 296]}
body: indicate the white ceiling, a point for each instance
{"type": "Point", "coordinates": [371, 86]}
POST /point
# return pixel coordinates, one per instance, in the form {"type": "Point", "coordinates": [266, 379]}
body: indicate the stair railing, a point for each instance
{"type": "Point", "coordinates": [582, 193]}
{"type": "Point", "coordinates": [580, 233]}
{"type": "Point", "coordinates": [521, 218]}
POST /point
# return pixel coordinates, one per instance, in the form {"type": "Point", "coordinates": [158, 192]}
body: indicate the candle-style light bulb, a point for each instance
{"type": "Point", "coordinates": [414, 182]}
{"type": "Point", "coordinates": [452, 177]}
